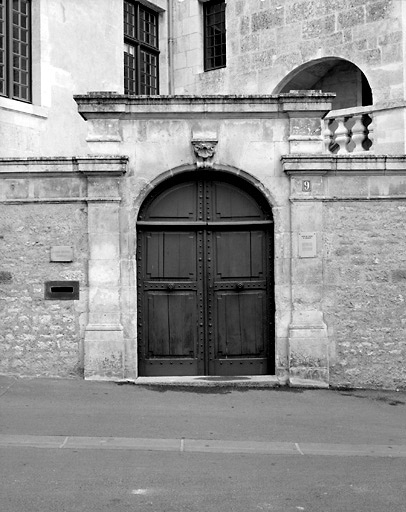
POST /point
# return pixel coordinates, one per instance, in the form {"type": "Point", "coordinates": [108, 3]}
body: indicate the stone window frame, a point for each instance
{"type": "Point", "coordinates": [141, 48]}
{"type": "Point", "coordinates": [40, 90]}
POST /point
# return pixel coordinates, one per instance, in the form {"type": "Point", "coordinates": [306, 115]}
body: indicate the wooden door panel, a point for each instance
{"type": "Point", "coordinates": [239, 255]}
{"type": "Point", "coordinates": [170, 255]}
{"type": "Point", "coordinates": [178, 203]}
{"type": "Point", "coordinates": [171, 321]}
{"type": "Point", "coordinates": [240, 324]}
{"type": "Point", "coordinates": [232, 255]}
{"type": "Point", "coordinates": [233, 203]}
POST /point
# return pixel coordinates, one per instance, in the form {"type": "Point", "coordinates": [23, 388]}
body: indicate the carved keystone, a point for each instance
{"type": "Point", "coordinates": [204, 151]}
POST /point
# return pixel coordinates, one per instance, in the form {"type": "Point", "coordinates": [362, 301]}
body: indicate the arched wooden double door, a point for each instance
{"type": "Point", "coordinates": [204, 279]}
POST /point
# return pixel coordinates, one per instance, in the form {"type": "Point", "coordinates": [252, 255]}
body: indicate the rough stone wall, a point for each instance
{"type": "Point", "coordinates": [267, 40]}
{"type": "Point", "coordinates": [37, 336]}
{"type": "Point", "coordinates": [365, 292]}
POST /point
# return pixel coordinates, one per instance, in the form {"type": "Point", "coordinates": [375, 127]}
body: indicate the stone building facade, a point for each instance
{"type": "Point", "coordinates": [118, 256]}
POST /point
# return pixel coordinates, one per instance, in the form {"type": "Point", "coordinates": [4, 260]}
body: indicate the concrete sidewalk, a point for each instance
{"type": "Point", "coordinates": [56, 413]}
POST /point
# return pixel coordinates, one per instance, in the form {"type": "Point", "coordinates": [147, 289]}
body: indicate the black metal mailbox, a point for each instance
{"type": "Point", "coordinates": [61, 290]}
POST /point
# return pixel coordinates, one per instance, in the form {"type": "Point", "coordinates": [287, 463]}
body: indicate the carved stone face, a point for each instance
{"type": "Point", "coordinates": [205, 149]}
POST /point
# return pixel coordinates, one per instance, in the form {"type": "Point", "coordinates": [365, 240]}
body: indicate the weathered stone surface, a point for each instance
{"type": "Point", "coordinates": [41, 337]}
{"type": "Point", "coordinates": [5, 276]}
{"type": "Point", "coordinates": [267, 19]}
{"type": "Point", "coordinates": [319, 27]}
{"type": "Point", "coordinates": [366, 310]}
{"type": "Point", "coordinates": [377, 11]}
{"type": "Point", "coordinates": [350, 18]}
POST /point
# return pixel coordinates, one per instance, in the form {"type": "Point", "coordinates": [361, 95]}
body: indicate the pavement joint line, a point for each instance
{"type": "Point", "coordinates": [298, 449]}
{"type": "Point", "coordinates": [201, 446]}
{"type": "Point", "coordinates": [8, 387]}
{"type": "Point", "coordinates": [64, 443]}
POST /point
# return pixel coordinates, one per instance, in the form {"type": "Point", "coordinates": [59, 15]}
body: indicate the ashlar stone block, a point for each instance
{"type": "Point", "coordinates": [104, 355]}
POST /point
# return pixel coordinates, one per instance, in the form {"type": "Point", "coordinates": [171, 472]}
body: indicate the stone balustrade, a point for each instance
{"type": "Point", "coordinates": [349, 131]}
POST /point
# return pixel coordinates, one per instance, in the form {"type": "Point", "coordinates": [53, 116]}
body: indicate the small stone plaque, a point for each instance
{"type": "Point", "coordinates": [61, 253]}
{"type": "Point", "coordinates": [307, 245]}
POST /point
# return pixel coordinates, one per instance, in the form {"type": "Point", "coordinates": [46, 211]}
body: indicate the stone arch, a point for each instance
{"type": "Point", "coordinates": [330, 74]}
{"type": "Point", "coordinates": [187, 168]}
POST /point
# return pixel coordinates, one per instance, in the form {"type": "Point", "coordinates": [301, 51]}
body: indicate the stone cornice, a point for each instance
{"type": "Point", "coordinates": [112, 105]}
{"type": "Point", "coordinates": [62, 166]}
{"type": "Point", "coordinates": [351, 164]}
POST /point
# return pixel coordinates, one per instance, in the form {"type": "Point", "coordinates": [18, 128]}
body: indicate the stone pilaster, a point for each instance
{"type": "Point", "coordinates": [308, 340]}
{"type": "Point", "coordinates": [306, 124]}
{"type": "Point", "coordinates": [104, 340]}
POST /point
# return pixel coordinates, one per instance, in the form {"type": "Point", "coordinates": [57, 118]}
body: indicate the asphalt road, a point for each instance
{"type": "Point", "coordinates": [73, 446]}
{"type": "Point", "coordinates": [43, 480]}
{"type": "Point", "coordinates": [80, 408]}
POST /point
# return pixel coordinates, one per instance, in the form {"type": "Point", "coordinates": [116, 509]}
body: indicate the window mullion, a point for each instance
{"type": "Point", "coordinates": [138, 48]}
{"type": "Point", "coordinates": [138, 64]}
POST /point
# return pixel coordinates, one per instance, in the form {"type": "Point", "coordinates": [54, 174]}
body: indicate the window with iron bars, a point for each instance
{"type": "Point", "coordinates": [214, 15]}
{"type": "Point", "coordinates": [141, 51]}
{"type": "Point", "coordinates": [15, 49]}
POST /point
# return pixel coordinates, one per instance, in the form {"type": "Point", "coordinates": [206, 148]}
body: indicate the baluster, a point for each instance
{"type": "Point", "coordinates": [358, 133]}
{"type": "Point", "coordinates": [341, 135]}
{"type": "Point", "coordinates": [327, 135]}
{"type": "Point", "coordinates": [371, 132]}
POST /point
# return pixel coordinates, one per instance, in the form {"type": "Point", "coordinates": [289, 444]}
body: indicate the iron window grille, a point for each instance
{"type": "Point", "coordinates": [214, 15]}
{"type": "Point", "coordinates": [15, 49]}
{"type": "Point", "coordinates": [141, 51]}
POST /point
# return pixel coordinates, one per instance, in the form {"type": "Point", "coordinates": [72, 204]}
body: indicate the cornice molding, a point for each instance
{"type": "Point", "coordinates": [63, 166]}
{"type": "Point", "coordinates": [112, 105]}
{"type": "Point", "coordinates": [345, 165]}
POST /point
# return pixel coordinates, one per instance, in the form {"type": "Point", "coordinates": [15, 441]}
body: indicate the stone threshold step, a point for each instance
{"type": "Point", "coordinates": [243, 381]}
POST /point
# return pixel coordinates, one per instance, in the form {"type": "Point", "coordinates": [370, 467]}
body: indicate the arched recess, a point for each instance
{"type": "Point", "coordinates": [205, 278]}
{"type": "Point", "coordinates": [331, 74]}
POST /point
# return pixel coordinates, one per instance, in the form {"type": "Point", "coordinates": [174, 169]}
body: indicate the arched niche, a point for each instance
{"type": "Point", "coordinates": [330, 74]}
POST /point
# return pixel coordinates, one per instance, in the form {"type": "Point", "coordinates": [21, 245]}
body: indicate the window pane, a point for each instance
{"type": "Point", "coordinates": [3, 87]}
{"type": "Point", "coordinates": [149, 73]}
{"type": "Point", "coordinates": [129, 19]}
{"type": "Point", "coordinates": [214, 35]}
{"type": "Point", "coordinates": [141, 51]}
{"type": "Point", "coordinates": [148, 27]}
{"type": "Point", "coordinates": [130, 70]}
{"type": "Point", "coordinates": [21, 38]}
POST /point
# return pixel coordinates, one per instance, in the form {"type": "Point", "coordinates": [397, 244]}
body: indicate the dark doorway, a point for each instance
{"type": "Point", "coordinates": [205, 303]}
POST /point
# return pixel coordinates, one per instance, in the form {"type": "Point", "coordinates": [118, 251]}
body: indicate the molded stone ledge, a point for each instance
{"type": "Point", "coordinates": [113, 105]}
{"type": "Point", "coordinates": [372, 165]}
{"type": "Point", "coordinates": [103, 166]}
{"type": "Point", "coordinates": [63, 166]}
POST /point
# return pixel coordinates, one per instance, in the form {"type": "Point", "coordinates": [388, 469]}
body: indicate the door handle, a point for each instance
{"type": "Point", "coordinates": [239, 286]}
{"type": "Point", "coordinates": [170, 286]}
